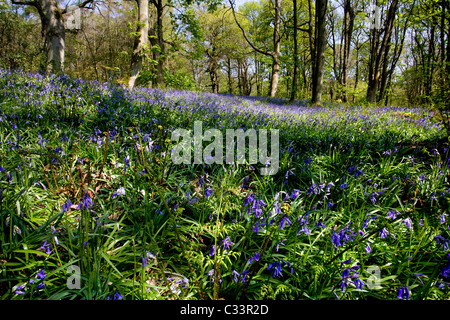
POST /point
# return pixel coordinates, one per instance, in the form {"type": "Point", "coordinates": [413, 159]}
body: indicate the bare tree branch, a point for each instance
{"type": "Point", "coordinates": [267, 53]}
{"type": "Point", "coordinates": [24, 3]}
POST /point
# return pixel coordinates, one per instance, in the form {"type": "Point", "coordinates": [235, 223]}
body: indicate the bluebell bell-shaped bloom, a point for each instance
{"type": "Point", "coordinates": [67, 205]}
{"type": "Point", "coordinates": [285, 221]}
{"type": "Point", "coordinates": [227, 243]}
{"type": "Point", "coordinates": [408, 223]}
{"type": "Point", "coordinates": [384, 233]}
{"type": "Point", "coordinates": [403, 292]}
{"type": "Point", "coordinates": [86, 202]}
{"type": "Point", "coordinates": [235, 276]}
{"type": "Point", "coordinates": [254, 257]}
{"type": "Point", "coordinates": [212, 251]}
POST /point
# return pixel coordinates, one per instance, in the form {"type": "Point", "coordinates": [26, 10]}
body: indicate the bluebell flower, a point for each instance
{"type": "Point", "coordinates": [320, 224]}
{"type": "Point", "coordinates": [227, 243]}
{"type": "Point", "coordinates": [86, 202]}
{"type": "Point", "coordinates": [403, 292]}
{"type": "Point", "coordinates": [344, 185]}
{"type": "Point", "coordinates": [392, 214]}
{"type": "Point", "coordinates": [208, 192]}
{"type": "Point", "coordinates": [350, 275]}
{"type": "Point", "coordinates": [285, 221]}
{"type": "Point", "coordinates": [441, 240]}
{"type": "Point", "coordinates": [408, 223]}
{"type": "Point", "coordinates": [342, 237]}
{"type": "Point", "coordinates": [211, 274]}
{"type": "Point", "coordinates": [384, 233]}
{"type": "Point", "coordinates": [368, 249]}
{"type": "Point", "coordinates": [254, 257]}
{"type": "Point", "coordinates": [442, 218]}
{"type": "Point", "coordinates": [294, 194]}
{"type": "Point", "coordinates": [116, 296]}
{"type": "Point", "coordinates": [259, 225]}
{"type": "Point", "coordinates": [119, 192]}
{"type": "Point", "coordinates": [276, 268]}
{"type": "Point", "coordinates": [446, 270]}
{"type": "Point", "coordinates": [67, 205]}
{"type": "Point", "coordinates": [212, 251]}
{"type": "Point", "coordinates": [235, 276]}
{"type": "Point", "coordinates": [20, 289]}
{"type": "Point", "coordinates": [244, 275]}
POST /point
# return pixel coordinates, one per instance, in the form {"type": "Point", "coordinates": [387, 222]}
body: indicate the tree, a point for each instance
{"type": "Point", "coordinates": [379, 49]}
{"type": "Point", "coordinates": [140, 42]}
{"type": "Point", "coordinates": [276, 41]}
{"type": "Point", "coordinates": [318, 52]}
{"type": "Point", "coordinates": [53, 30]}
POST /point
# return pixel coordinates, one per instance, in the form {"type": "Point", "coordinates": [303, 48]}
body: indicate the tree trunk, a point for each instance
{"type": "Point", "coordinates": [158, 55]}
{"type": "Point", "coordinates": [140, 42]}
{"type": "Point", "coordinates": [54, 35]}
{"type": "Point", "coordinates": [276, 50]}
{"type": "Point", "coordinates": [213, 69]}
{"type": "Point", "coordinates": [294, 75]}
{"type": "Point", "coordinates": [230, 83]}
{"type": "Point", "coordinates": [53, 32]}
{"type": "Point", "coordinates": [349, 19]}
{"type": "Point", "coordinates": [379, 52]}
{"type": "Point", "coordinates": [319, 51]}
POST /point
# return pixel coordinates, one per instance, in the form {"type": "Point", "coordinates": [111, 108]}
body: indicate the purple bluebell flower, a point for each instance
{"type": "Point", "coordinates": [20, 289]}
{"type": "Point", "coordinates": [441, 240]}
{"type": "Point", "coordinates": [244, 275]}
{"type": "Point", "coordinates": [392, 214]}
{"type": "Point", "coordinates": [446, 270]}
{"type": "Point", "coordinates": [116, 296]}
{"type": "Point", "coordinates": [350, 275]}
{"type": "Point", "coordinates": [119, 192]}
{"type": "Point", "coordinates": [384, 233]}
{"type": "Point", "coordinates": [276, 268]}
{"type": "Point", "coordinates": [342, 237]}
{"type": "Point", "coordinates": [67, 205]}
{"type": "Point", "coordinates": [235, 276]}
{"type": "Point", "coordinates": [211, 274]}
{"type": "Point", "coordinates": [368, 248]}
{"type": "Point", "coordinates": [254, 257]}
{"type": "Point", "coordinates": [227, 243]}
{"type": "Point", "coordinates": [212, 251]}
{"type": "Point", "coordinates": [408, 223]}
{"type": "Point", "coordinates": [285, 221]}
{"type": "Point", "coordinates": [86, 202]}
{"type": "Point", "coordinates": [294, 194]}
{"type": "Point", "coordinates": [403, 292]}
{"type": "Point", "coordinates": [320, 224]}
{"type": "Point", "coordinates": [208, 192]}
{"type": "Point", "coordinates": [41, 274]}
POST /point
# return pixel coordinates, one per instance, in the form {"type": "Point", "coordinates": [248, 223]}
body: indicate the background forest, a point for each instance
{"type": "Point", "coordinates": [389, 52]}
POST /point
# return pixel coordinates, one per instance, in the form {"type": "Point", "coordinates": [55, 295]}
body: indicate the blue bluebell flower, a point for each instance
{"type": "Point", "coordinates": [403, 292]}
{"type": "Point", "coordinates": [254, 257]}
{"type": "Point", "coordinates": [384, 233]}
{"type": "Point", "coordinates": [285, 221]}
{"type": "Point", "coordinates": [408, 223]}
{"type": "Point", "coordinates": [212, 251]}
{"type": "Point", "coordinates": [67, 205]}
{"type": "Point", "coordinates": [227, 243]}
{"type": "Point", "coordinates": [86, 202]}
{"type": "Point", "coordinates": [235, 276]}
{"type": "Point", "coordinates": [276, 268]}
